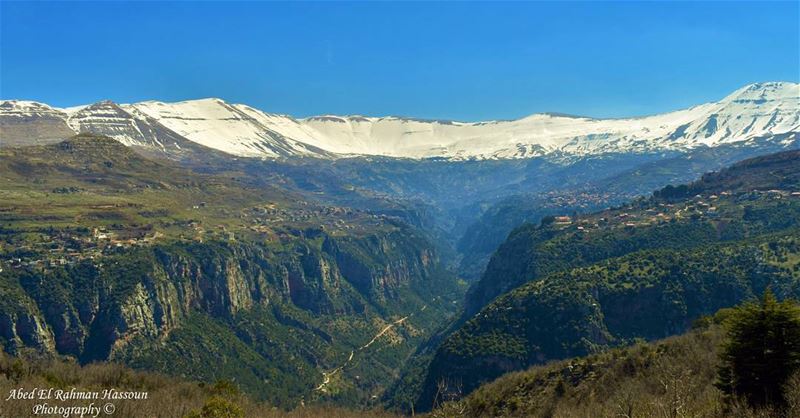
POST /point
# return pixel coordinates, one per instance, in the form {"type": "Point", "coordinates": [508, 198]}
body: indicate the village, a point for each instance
{"type": "Point", "coordinates": [49, 247]}
{"type": "Point", "coordinates": [698, 208]}
{"type": "Point", "coordinates": [44, 248]}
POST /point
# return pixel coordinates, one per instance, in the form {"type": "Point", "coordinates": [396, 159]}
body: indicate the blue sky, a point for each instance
{"type": "Point", "coordinates": [465, 61]}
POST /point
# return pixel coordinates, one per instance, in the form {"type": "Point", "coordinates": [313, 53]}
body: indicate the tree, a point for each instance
{"type": "Point", "coordinates": [761, 352]}
{"type": "Point", "coordinates": [218, 407]}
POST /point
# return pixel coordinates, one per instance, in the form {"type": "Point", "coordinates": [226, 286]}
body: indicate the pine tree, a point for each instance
{"type": "Point", "coordinates": [761, 352]}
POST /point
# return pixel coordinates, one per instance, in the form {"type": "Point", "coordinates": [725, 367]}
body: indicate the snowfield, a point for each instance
{"type": "Point", "coordinates": [754, 111]}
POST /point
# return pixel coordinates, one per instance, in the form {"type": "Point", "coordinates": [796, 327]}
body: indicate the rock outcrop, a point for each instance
{"type": "Point", "coordinates": [95, 309]}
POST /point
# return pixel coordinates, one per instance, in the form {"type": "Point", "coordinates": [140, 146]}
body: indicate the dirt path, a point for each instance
{"type": "Point", "coordinates": [383, 331]}
{"type": "Point", "coordinates": [326, 376]}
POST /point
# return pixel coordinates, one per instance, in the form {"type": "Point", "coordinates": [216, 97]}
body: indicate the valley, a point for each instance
{"type": "Point", "coordinates": [141, 261]}
{"type": "Point", "coordinates": [469, 191]}
{"type": "Point", "coordinates": [575, 286]}
{"type": "Point", "coordinates": [283, 209]}
{"type": "Point", "coordinates": [327, 261]}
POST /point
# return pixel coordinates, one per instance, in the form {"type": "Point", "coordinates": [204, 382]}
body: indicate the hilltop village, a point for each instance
{"type": "Point", "coordinates": [41, 246]}
{"type": "Point", "coordinates": [646, 212]}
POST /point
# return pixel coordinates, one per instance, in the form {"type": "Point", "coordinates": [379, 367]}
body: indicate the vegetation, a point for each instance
{"type": "Point", "coordinates": [107, 255]}
{"type": "Point", "coordinates": [674, 377]}
{"type": "Point", "coordinates": [620, 180]}
{"type": "Point", "coordinates": [166, 396]}
{"type": "Point", "coordinates": [578, 285]}
{"type": "Point", "coordinates": [762, 352]}
{"type": "Point", "coordinates": [648, 294]}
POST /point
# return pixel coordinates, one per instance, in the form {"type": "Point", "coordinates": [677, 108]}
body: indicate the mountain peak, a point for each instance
{"type": "Point", "coordinates": [758, 110]}
{"type": "Point", "coordinates": [202, 101]}
{"type": "Point", "coordinates": [769, 90]}
{"type": "Point", "coordinates": [19, 105]}
{"type": "Point", "coordinates": [103, 104]}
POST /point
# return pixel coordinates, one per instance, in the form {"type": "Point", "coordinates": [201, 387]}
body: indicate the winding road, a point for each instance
{"type": "Point", "coordinates": [326, 376]}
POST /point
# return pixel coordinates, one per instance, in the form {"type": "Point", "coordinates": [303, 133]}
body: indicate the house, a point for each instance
{"type": "Point", "coordinates": [562, 220]}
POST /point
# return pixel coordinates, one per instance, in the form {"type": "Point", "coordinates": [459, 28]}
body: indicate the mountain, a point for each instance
{"type": "Point", "coordinates": [460, 182]}
{"type": "Point", "coordinates": [752, 111]}
{"type": "Point", "coordinates": [24, 122]}
{"type": "Point", "coordinates": [108, 255]}
{"type": "Point", "coordinates": [236, 129]}
{"type": "Point", "coordinates": [572, 286]}
{"type": "Point", "coordinates": [755, 111]}
{"type": "Point", "coordinates": [612, 181]}
{"type": "Point", "coordinates": [322, 258]}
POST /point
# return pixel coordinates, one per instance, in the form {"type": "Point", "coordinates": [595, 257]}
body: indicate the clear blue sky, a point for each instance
{"type": "Point", "coordinates": [465, 61]}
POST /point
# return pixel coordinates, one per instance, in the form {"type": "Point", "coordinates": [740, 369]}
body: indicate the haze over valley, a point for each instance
{"type": "Point", "coordinates": [229, 260]}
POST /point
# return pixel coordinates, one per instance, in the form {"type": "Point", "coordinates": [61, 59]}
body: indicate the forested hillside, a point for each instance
{"type": "Point", "coordinates": [575, 286]}
{"type": "Point", "coordinates": [673, 377]}
{"type": "Point", "coordinates": [107, 255]}
{"type": "Point", "coordinates": [167, 397]}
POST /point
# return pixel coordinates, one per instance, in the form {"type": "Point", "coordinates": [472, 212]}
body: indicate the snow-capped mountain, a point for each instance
{"type": "Point", "coordinates": [232, 128]}
{"type": "Point", "coordinates": [107, 118]}
{"type": "Point", "coordinates": [754, 111]}
{"type": "Point", "coordinates": [24, 122]}
{"type": "Point", "coordinates": [761, 110]}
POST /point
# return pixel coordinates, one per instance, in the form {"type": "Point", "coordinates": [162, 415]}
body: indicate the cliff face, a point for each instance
{"type": "Point", "coordinates": [378, 266]}
{"type": "Point", "coordinates": [25, 329]}
{"type": "Point", "coordinates": [95, 309]}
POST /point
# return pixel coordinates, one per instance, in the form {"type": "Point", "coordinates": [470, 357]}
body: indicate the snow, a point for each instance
{"type": "Point", "coordinates": [27, 108]}
{"type": "Point", "coordinates": [741, 116]}
{"type": "Point", "coordinates": [750, 112]}
{"type": "Point", "coordinates": [107, 118]}
{"type": "Point", "coordinates": [235, 129]}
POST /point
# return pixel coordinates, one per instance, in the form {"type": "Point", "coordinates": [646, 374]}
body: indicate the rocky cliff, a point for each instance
{"type": "Point", "coordinates": [122, 305]}
{"type": "Point", "coordinates": [91, 309]}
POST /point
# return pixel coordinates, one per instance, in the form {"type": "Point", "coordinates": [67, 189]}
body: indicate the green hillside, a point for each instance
{"type": "Point", "coordinates": [108, 255]}
{"type": "Point", "coordinates": [167, 397]}
{"type": "Point", "coordinates": [576, 286]}
{"type": "Point", "coordinates": [672, 377]}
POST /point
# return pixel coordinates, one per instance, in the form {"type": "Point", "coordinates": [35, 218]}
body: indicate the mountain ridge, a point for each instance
{"type": "Point", "coordinates": [755, 110]}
